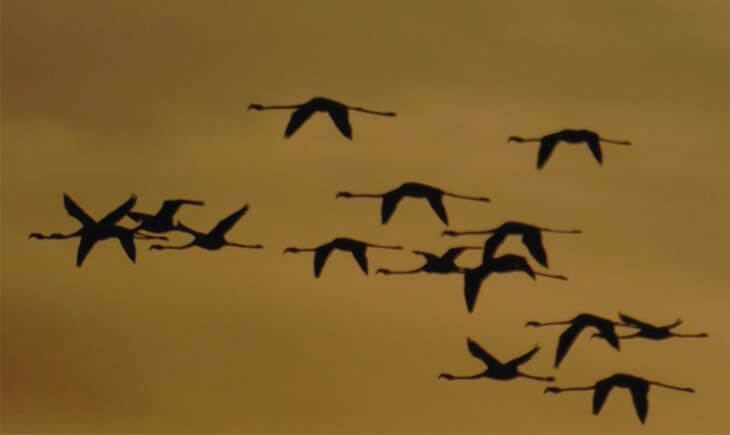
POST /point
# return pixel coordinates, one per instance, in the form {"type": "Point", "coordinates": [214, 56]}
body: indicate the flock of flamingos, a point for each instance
{"type": "Point", "coordinates": [92, 231]}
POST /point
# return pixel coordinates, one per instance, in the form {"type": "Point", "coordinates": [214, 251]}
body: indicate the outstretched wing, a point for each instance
{"type": "Point", "coordinates": [437, 204]}
{"type": "Point", "coordinates": [601, 390]}
{"type": "Point", "coordinates": [524, 358]}
{"type": "Point", "coordinates": [170, 206]}
{"type": "Point", "coordinates": [546, 148]}
{"type": "Point", "coordinates": [639, 393]}
{"type": "Point", "coordinates": [127, 241]}
{"type": "Point", "coordinates": [320, 257]}
{"type": "Point", "coordinates": [634, 322]}
{"type": "Point", "coordinates": [297, 119]}
{"type": "Point", "coordinates": [85, 246]}
{"type": "Point", "coordinates": [566, 340]}
{"type": "Point", "coordinates": [491, 245]}
{"type": "Point", "coordinates": [595, 148]}
{"type": "Point", "coordinates": [119, 212]}
{"type": "Point", "coordinates": [75, 211]}
{"type": "Point", "coordinates": [226, 224]}
{"type": "Point", "coordinates": [390, 202]}
{"type": "Point", "coordinates": [452, 253]}
{"type": "Point", "coordinates": [340, 116]}
{"type": "Point", "coordinates": [136, 216]}
{"type": "Point", "coordinates": [533, 241]}
{"type": "Point", "coordinates": [472, 282]}
{"type": "Point", "coordinates": [361, 258]}
{"type": "Point", "coordinates": [478, 352]}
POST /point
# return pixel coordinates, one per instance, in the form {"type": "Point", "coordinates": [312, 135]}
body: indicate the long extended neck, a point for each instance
{"type": "Point", "coordinates": [537, 378]}
{"type": "Point", "coordinates": [451, 377]}
{"type": "Point", "coordinates": [560, 390]}
{"type": "Point", "coordinates": [164, 247]}
{"type": "Point", "coordinates": [703, 334]}
{"type": "Point", "coordinates": [549, 275]}
{"type": "Point", "coordinates": [538, 324]}
{"type": "Point", "coordinates": [56, 236]}
{"type": "Point", "coordinates": [522, 139]}
{"type": "Point", "coordinates": [373, 245]}
{"type": "Point", "coordinates": [241, 245]}
{"type": "Point", "coordinates": [617, 142]}
{"type": "Point", "coordinates": [398, 272]}
{"type": "Point", "coordinates": [672, 387]}
{"type": "Point", "coordinates": [550, 230]}
{"type": "Point", "coordinates": [372, 112]}
{"type": "Point", "coordinates": [471, 198]}
{"type": "Point", "coordinates": [297, 250]}
{"type": "Point", "coordinates": [359, 195]}
{"type": "Point", "coordinates": [462, 233]}
{"type": "Point", "coordinates": [262, 107]}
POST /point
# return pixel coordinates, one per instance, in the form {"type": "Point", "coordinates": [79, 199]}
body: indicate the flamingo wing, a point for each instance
{"type": "Point", "coordinates": [634, 322]}
{"type": "Point", "coordinates": [473, 279]}
{"type": "Point", "coordinates": [361, 258]}
{"type": "Point", "coordinates": [135, 216]}
{"type": "Point", "coordinates": [543, 154]}
{"type": "Point", "coordinates": [595, 148]}
{"type": "Point", "coordinates": [491, 245]}
{"type": "Point", "coordinates": [85, 246]}
{"type": "Point", "coordinates": [609, 333]}
{"type": "Point", "coordinates": [75, 211]}
{"type": "Point", "coordinates": [566, 340]}
{"type": "Point", "coordinates": [452, 253]}
{"type": "Point", "coordinates": [639, 393]}
{"type": "Point", "coordinates": [437, 204]}
{"type": "Point", "coordinates": [297, 119]}
{"type": "Point", "coordinates": [602, 388]}
{"type": "Point", "coordinates": [340, 116]}
{"type": "Point", "coordinates": [390, 202]}
{"type": "Point", "coordinates": [523, 358]}
{"type": "Point", "coordinates": [320, 257]}
{"type": "Point", "coordinates": [533, 241]}
{"type": "Point", "coordinates": [479, 352]}
{"type": "Point", "coordinates": [127, 241]}
{"type": "Point", "coordinates": [226, 224]}
{"type": "Point", "coordinates": [119, 212]}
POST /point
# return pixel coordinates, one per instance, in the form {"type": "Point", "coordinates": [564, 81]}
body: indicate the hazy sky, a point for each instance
{"type": "Point", "coordinates": [102, 99]}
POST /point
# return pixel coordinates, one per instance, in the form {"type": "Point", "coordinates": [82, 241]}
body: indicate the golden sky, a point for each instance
{"type": "Point", "coordinates": [101, 99]}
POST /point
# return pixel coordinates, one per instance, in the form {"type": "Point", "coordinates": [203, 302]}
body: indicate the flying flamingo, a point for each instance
{"type": "Point", "coordinates": [162, 221]}
{"type": "Point", "coordinates": [434, 195]}
{"type": "Point", "coordinates": [434, 263]}
{"type": "Point", "coordinates": [215, 239]}
{"type": "Point", "coordinates": [356, 247]}
{"type": "Point", "coordinates": [93, 231]}
{"type": "Point", "coordinates": [577, 324]}
{"type": "Point", "coordinates": [337, 111]}
{"type": "Point", "coordinates": [548, 142]}
{"type": "Point", "coordinates": [496, 369]}
{"type": "Point", "coordinates": [647, 330]}
{"type": "Point", "coordinates": [639, 391]}
{"type": "Point", "coordinates": [531, 236]}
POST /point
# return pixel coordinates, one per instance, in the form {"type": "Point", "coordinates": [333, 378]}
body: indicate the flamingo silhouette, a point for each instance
{"type": "Point", "coordinates": [92, 231]}
{"type": "Point", "coordinates": [639, 388]}
{"type": "Point", "coordinates": [577, 324]}
{"type": "Point", "coordinates": [434, 195]}
{"type": "Point", "coordinates": [162, 221]}
{"type": "Point", "coordinates": [473, 278]}
{"type": "Point", "coordinates": [434, 263]}
{"type": "Point", "coordinates": [548, 142]}
{"type": "Point", "coordinates": [531, 236]}
{"type": "Point", "coordinates": [496, 369]}
{"type": "Point", "coordinates": [647, 330]}
{"type": "Point", "coordinates": [356, 247]}
{"type": "Point", "coordinates": [215, 239]}
{"type": "Point", "coordinates": [337, 111]}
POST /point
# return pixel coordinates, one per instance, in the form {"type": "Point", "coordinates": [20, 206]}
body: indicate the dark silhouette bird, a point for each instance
{"type": "Point", "coordinates": [531, 236]}
{"type": "Point", "coordinates": [93, 231]}
{"type": "Point", "coordinates": [496, 369]}
{"type": "Point", "coordinates": [548, 142]}
{"type": "Point", "coordinates": [577, 324]}
{"type": "Point", "coordinates": [356, 247]}
{"type": "Point", "coordinates": [162, 221]}
{"type": "Point", "coordinates": [215, 239]}
{"type": "Point", "coordinates": [434, 263]}
{"type": "Point", "coordinates": [639, 388]}
{"type": "Point", "coordinates": [434, 195]}
{"type": "Point", "coordinates": [647, 330]}
{"type": "Point", "coordinates": [337, 111]}
{"type": "Point", "coordinates": [473, 278]}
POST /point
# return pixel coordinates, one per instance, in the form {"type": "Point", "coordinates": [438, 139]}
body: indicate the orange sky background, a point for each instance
{"type": "Point", "coordinates": [104, 99]}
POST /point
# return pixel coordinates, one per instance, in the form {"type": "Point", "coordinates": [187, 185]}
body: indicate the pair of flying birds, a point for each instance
{"type": "Point", "coordinates": [339, 113]}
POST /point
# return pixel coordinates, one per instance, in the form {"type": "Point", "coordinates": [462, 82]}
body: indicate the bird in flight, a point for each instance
{"type": "Point", "coordinates": [531, 236]}
{"type": "Point", "coordinates": [215, 239]}
{"type": "Point", "coordinates": [434, 195]}
{"type": "Point", "coordinates": [473, 278]}
{"type": "Point", "coordinates": [92, 231]}
{"type": "Point", "coordinates": [356, 247]}
{"type": "Point", "coordinates": [548, 142]}
{"type": "Point", "coordinates": [647, 330]}
{"type": "Point", "coordinates": [496, 369]}
{"type": "Point", "coordinates": [162, 221]}
{"type": "Point", "coordinates": [434, 263]}
{"type": "Point", "coordinates": [337, 111]}
{"type": "Point", "coordinates": [577, 324]}
{"type": "Point", "coordinates": [639, 388]}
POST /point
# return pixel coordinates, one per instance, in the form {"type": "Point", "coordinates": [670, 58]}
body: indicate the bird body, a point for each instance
{"type": "Point", "coordinates": [548, 142]}
{"type": "Point", "coordinates": [639, 388]}
{"type": "Point", "coordinates": [496, 369]}
{"type": "Point", "coordinates": [577, 324]}
{"type": "Point", "coordinates": [339, 113]}
{"type": "Point", "coordinates": [434, 195]}
{"type": "Point", "coordinates": [652, 332]}
{"type": "Point", "coordinates": [436, 264]}
{"type": "Point", "coordinates": [356, 247]}
{"type": "Point", "coordinates": [161, 222]}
